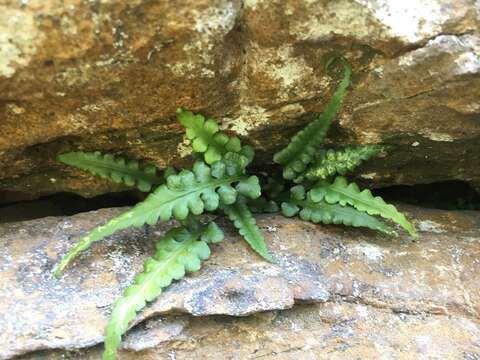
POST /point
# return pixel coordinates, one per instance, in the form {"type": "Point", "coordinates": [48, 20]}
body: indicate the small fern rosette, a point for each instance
{"type": "Point", "coordinates": [218, 181]}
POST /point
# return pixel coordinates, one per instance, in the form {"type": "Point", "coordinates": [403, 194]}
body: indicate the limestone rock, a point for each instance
{"type": "Point", "coordinates": [102, 75]}
{"type": "Point", "coordinates": [373, 294]}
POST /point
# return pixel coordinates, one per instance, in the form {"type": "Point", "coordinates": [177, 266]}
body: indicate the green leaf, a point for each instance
{"type": "Point", "coordinates": [213, 234]}
{"type": "Point", "coordinates": [244, 221]}
{"type": "Point", "coordinates": [206, 137]}
{"type": "Point", "coordinates": [180, 251]}
{"type": "Point", "coordinates": [340, 191]}
{"type": "Point", "coordinates": [322, 212]}
{"type": "Point", "coordinates": [289, 209]}
{"type": "Point", "coordinates": [332, 162]}
{"type": "Point", "coordinates": [303, 146]}
{"type": "Point", "coordinates": [250, 187]}
{"type": "Point", "coordinates": [189, 192]}
{"type": "Point", "coordinates": [130, 172]}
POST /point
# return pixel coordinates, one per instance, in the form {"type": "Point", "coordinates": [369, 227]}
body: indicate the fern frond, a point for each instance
{"type": "Point", "coordinates": [325, 213]}
{"type": "Point", "coordinates": [244, 221]}
{"type": "Point", "coordinates": [303, 146]}
{"type": "Point", "coordinates": [206, 137]}
{"type": "Point", "coordinates": [185, 193]}
{"type": "Point", "coordinates": [129, 172]}
{"type": "Point", "coordinates": [332, 162]}
{"type": "Point", "coordinates": [180, 251]}
{"type": "Point", "coordinates": [340, 191]}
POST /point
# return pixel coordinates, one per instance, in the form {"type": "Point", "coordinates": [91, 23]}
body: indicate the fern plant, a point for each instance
{"type": "Point", "coordinates": [312, 187]}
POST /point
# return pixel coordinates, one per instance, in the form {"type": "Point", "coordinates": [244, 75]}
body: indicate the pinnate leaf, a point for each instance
{"type": "Point", "coordinates": [189, 192]}
{"type": "Point", "coordinates": [322, 212]}
{"type": "Point", "coordinates": [180, 251]}
{"type": "Point", "coordinates": [341, 192]}
{"type": "Point", "coordinates": [206, 137]}
{"type": "Point", "coordinates": [332, 162]}
{"type": "Point", "coordinates": [120, 170]}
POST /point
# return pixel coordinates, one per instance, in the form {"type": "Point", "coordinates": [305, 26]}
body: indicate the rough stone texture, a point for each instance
{"type": "Point", "coordinates": [320, 331]}
{"type": "Point", "coordinates": [375, 297]}
{"type": "Point", "coordinates": [108, 75]}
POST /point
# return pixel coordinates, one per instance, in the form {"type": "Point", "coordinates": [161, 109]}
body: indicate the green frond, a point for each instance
{"type": "Point", "coordinates": [303, 146]}
{"type": "Point", "coordinates": [180, 251]}
{"type": "Point", "coordinates": [120, 170]}
{"type": "Point", "coordinates": [340, 191]}
{"type": "Point", "coordinates": [325, 213]}
{"type": "Point", "coordinates": [244, 221]}
{"type": "Point", "coordinates": [206, 137]}
{"type": "Point", "coordinates": [189, 192]}
{"type": "Point", "coordinates": [332, 162]}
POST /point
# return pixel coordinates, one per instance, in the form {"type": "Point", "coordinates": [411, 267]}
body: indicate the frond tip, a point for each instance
{"type": "Point", "coordinates": [180, 251]}
{"type": "Point", "coordinates": [120, 170]}
{"type": "Point", "coordinates": [244, 221]}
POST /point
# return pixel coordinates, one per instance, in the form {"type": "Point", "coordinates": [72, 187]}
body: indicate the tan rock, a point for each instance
{"type": "Point", "coordinates": [108, 76]}
{"type": "Point", "coordinates": [375, 296]}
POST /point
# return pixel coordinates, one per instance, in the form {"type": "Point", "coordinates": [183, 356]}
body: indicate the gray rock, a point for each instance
{"type": "Point", "coordinates": [364, 282]}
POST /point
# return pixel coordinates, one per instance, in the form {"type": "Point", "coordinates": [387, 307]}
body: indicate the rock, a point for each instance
{"type": "Point", "coordinates": [319, 331]}
{"type": "Point", "coordinates": [371, 295]}
{"type": "Point", "coordinates": [108, 76]}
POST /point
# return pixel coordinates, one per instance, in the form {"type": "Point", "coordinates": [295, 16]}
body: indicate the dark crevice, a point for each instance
{"type": "Point", "coordinates": [446, 195]}
{"type": "Point", "coordinates": [64, 204]}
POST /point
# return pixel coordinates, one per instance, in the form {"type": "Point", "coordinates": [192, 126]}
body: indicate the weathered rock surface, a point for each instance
{"type": "Point", "coordinates": [109, 75]}
{"type": "Point", "coordinates": [375, 297]}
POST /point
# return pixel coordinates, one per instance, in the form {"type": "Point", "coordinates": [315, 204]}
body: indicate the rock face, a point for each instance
{"type": "Point", "coordinates": [108, 75]}
{"type": "Point", "coordinates": [370, 297]}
